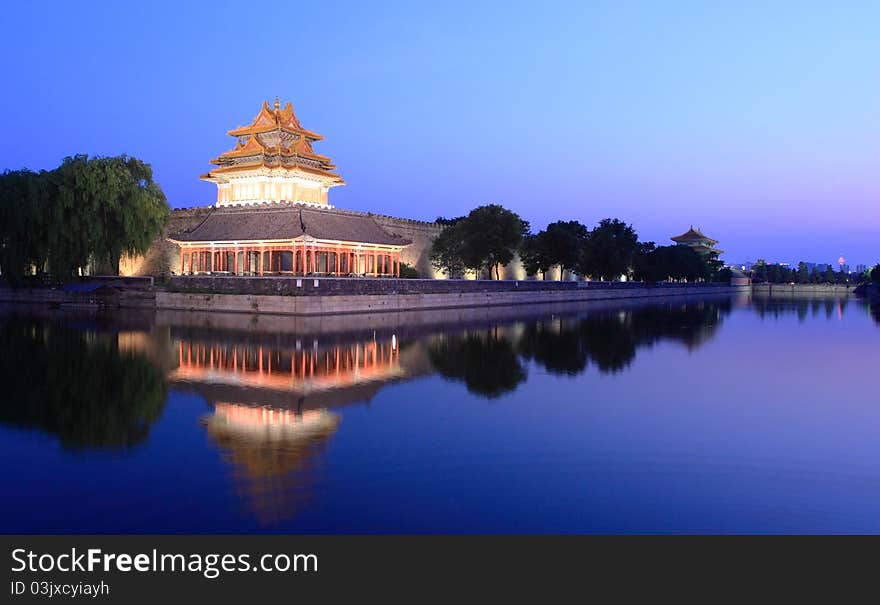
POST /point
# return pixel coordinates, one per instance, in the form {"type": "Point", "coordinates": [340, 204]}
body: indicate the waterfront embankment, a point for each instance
{"type": "Point", "coordinates": [324, 296]}
{"type": "Point", "coordinates": [329, 296]}
{"type": "Point", "coordinates": [801, 290]}
{"type": "Point", "coordinates": [314, 296]}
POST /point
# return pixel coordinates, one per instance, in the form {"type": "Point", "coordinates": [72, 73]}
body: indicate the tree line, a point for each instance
{"type": "Point", "coordinates": [82, 216]}
{"type": "Point", "coordinates": [775, 273]}
{"type": "Point", "coordinates": [490, 236]}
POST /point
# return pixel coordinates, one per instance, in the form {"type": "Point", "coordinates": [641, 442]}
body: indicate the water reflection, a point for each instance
{"type": "Point", "coordinates": [489, 362]}
{"type": "Point", "coordinates": [274, 454]}
{"type": "Point", "coordinates": [301, 374]}
{"type": "Point", "coordinates": [486, 361]}
{"type": "Point", "coordinates": [832, 307]}
{"type": "Point", "coordinates": [275, 396]}
{"type": "Point", "coordinates": [270, 397]}
{"type": "Point", "coordinates": [77, 385]}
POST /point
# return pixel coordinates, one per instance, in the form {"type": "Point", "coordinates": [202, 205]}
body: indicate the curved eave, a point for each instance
{"type": "Point", "coordinates": [175, 239]}
{"type": "Point", "coordinates": [276, 150]}
{"type": "Point", "coordinates": [252, 130]}
{"type": "Point", "coordinates": [332, 176]}
{"type": "Point", "coordinates": [686, 239]}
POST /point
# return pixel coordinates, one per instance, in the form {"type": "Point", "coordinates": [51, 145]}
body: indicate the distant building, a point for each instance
{"type": "Point", "coordinates": [701, 243]}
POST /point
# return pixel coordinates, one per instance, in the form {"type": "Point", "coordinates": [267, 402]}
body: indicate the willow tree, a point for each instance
{"type": "Point", "coordinates": [107, 207]}
{"type": "Point", "coordinates": [23, 223]}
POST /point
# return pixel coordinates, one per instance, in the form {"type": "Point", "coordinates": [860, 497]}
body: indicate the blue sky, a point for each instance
{"type": "Point", "coordinates": [758, 122]}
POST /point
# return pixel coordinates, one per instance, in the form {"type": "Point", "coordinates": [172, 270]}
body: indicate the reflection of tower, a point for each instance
{"type": "Point", "coordinates": [273, 453]}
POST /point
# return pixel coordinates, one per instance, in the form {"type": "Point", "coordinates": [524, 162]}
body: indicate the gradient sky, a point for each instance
{"type": "Point", "coordinates": [758, 122]}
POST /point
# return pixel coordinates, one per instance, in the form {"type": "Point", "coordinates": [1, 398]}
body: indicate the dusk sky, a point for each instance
{"type": "Point", "coordinates": [758, 122]}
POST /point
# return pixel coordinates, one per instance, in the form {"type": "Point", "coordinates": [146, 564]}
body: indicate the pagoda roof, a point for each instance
{"type": "Point", "coordinates": [286, 222]}
{"type": "Point", "coordinates": [271, 119]}
{"type": "Point", "coordinates": [275, 139]}
{"type": "Point", "coordinates": [693, 235]}
{"type": "Point", "coordinates": [208, 176]}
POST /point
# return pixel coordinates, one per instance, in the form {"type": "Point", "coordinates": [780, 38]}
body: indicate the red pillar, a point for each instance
{"type": "Point", "coordinates": [181, 261]}
{"type": "Point", "coordinates": [262, 251]}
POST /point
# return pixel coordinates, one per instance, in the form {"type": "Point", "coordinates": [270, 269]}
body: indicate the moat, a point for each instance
{"type": "Point", "coordinates": [740, 414]}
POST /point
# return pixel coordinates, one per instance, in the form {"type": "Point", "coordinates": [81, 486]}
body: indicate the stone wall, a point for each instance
{"type": "Point", "coordinates": [802, 289]}
{"type": "Point", "coordinates": [422, 235]}
{"type": "Point", "coordinates": [383, 295]}
{"type": "Point", "coordinates": [348, 286]}
{"type": "Point", "coordinates": [162, 260]}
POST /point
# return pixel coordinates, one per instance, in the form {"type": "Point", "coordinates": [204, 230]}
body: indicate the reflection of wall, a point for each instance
{"type": "Point", "coordinates": [273, 454]}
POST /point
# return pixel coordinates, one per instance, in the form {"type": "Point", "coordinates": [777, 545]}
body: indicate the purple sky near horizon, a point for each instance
{"type": "Point", "coordinates": [758, 124]}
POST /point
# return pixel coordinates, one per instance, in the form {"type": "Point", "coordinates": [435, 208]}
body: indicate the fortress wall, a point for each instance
{"type": "Point", "coordinates": [163, 258]}
{"type": "Point", "coordinates": [422, 235]}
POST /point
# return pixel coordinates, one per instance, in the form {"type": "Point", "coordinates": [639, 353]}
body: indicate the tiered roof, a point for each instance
{"type": "Point", "coordinates": [275, 139]}
{"type": "Point", "coordinates": [288, 221]}
{"type": "Point", "coordinates": [693, 235]}
{"type": "Point", "coordinates": [697, 240]}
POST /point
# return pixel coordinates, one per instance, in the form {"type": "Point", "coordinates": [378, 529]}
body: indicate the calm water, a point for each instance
{"type": "Point", "coordinates": [716, 415]}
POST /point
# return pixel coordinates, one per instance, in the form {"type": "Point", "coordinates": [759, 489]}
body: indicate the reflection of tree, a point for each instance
{"type": "Point", "coordinates": [486, 361]}
{"type": "Point", "coordinates": [77, 385]}
{"type": "Point", "coordinates": [610, 339]}
{"type": "Point", "coordinates": [273, 454]}
{"type": "Point", "coordinates": [768, 306]}
{"type": "Point", "coordinates": [691, 324]}
{"type": "Point", "coordinates": [875, 312]}
{"type": "Point", "coordinates": [555, 344]}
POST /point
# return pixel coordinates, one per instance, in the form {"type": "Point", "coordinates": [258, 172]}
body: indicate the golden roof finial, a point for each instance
{"type": "Point", "coordinates": [277, 103]}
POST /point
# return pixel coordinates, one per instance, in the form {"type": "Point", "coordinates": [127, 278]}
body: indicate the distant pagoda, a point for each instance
{"type": "Point", "coordinates": [695, 239]}
{"type": "Point", "coordinates": [273, 161]}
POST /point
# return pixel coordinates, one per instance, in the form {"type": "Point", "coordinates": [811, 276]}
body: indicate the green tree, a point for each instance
{"type": "Point", "coordinates": [759, 271]}
{"type": "Point", "coordinates": [609, 251]}
{"type": "Point", "coordinates": [116, 206]}
{"type": "Point", "coordinates": [875, 274]}
{"type": "Point", "coordinates": [803, 275]}
{"type": "Point", "coordinates": [815, 276]}
{"type": "Point", "coordinates": [829, 275]}
{"type": "Point", "coordinates": [448, 250]}
{"type": "Point", "coordinates": [535, 254]}
{"type": "Point", "coordinates": [672, 262]}
{"type": "Point", "coordinates": [491, 235]}
{"type": "Point", "coordinates": [23, 223]}
{"type": "Point", "coordinates": [565, 241]}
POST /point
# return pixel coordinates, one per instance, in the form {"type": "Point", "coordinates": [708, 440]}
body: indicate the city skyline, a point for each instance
{"type": "Point", "coordinates": [755, 124]}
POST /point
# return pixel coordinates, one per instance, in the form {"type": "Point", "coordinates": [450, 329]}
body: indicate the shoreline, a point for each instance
{"type": "Point", "coordinates": [326, 296]}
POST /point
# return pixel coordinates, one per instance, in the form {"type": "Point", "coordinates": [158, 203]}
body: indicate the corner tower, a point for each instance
{"type": "Point", "coordinates": [273, 161]}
